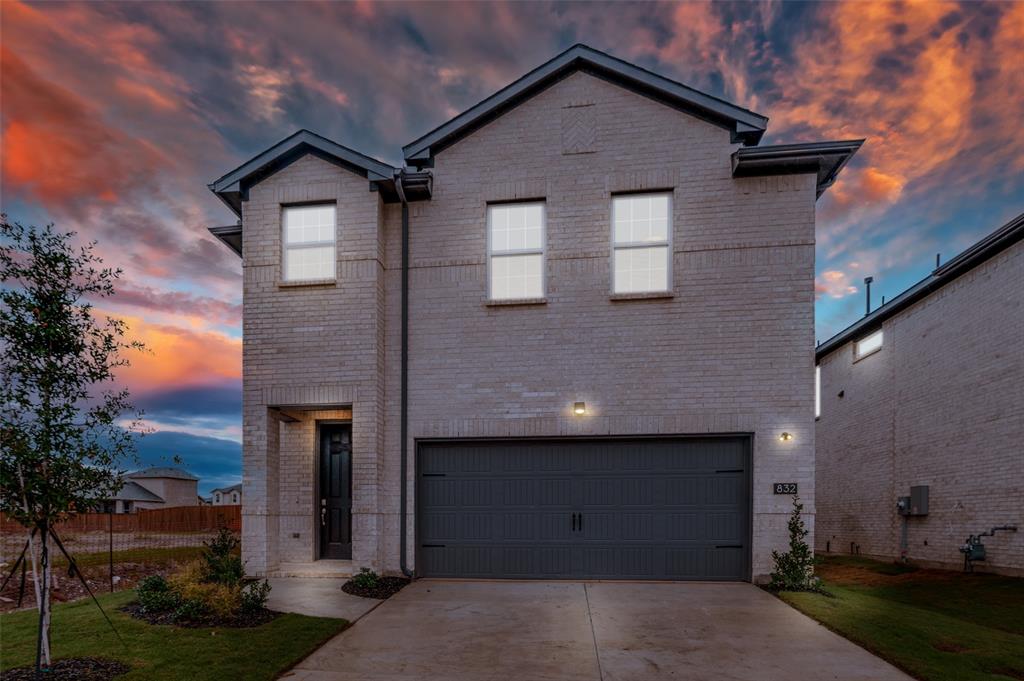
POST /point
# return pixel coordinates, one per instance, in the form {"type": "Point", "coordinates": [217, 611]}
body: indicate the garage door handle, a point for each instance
{"type": "Point", "coordinates": [730, 470]}
{"type": "Point", "coordinates": [728, 546]}
{"type": "Point", "coordinates": [573, 522]}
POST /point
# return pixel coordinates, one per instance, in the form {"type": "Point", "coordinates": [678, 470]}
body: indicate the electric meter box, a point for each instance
{"type": "Point", "coordinates": [919, 500]}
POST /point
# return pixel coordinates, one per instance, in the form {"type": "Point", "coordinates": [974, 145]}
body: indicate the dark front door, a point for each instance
{"type": "Point", "coordinates": [656, 508]}
{"type": "Point", "coordinates": [335, 502]}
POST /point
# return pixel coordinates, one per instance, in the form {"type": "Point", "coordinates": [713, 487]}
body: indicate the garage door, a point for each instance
{"type": "Point", "coordinates": [596, 509]}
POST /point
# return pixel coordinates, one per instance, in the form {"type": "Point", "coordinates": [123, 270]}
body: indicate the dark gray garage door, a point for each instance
{"type": "Point", "coordinates": [571, 509]}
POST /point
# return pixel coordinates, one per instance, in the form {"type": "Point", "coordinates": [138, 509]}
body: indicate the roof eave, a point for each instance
{"type": "Point", "coordinates": [233, 187]}
{"type": "Point", "coordinates": [230, 236]}
{"type": "Point", "coordinates": [745, 126]}
{"type": "Point", "coordinates": [824, 159]}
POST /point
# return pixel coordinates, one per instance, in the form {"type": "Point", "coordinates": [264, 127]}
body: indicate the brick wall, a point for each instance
{"type": "Point", "coordinates": [729, 353]}
{"type": "Point", "coordinates": [939, 405]}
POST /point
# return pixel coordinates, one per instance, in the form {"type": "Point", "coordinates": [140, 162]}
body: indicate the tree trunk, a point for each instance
{"type": "Point", "coordinates": [43, 643]}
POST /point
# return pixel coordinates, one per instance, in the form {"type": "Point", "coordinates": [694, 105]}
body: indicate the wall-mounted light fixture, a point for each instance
{"type": "Point", "coordinates": [580, 408]}
{"type": "Point", "coordinates": [786, 437]}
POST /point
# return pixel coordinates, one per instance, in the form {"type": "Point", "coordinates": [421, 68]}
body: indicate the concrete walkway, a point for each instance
{"type": "Point", "coordinates": [597, 631]}
{"type": "Point", "coordinates": [318, 597]}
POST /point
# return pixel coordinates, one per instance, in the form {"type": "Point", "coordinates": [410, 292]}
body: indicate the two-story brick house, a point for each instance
{"type": "Point", "coordinates": [925, 392]}
{"type": "Point", "coordinates": [565, 340]}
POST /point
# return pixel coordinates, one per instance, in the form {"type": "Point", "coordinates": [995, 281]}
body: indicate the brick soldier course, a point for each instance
{"type": "Point", "coordinates": [727, 351]}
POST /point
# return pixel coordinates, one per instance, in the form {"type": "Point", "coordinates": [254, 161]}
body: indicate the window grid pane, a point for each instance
{"type": "Point", "coordinates": [309, 224]}
{"type": "Point", "coordinates": [641, 270]}
{"type": "Point", "coordinates": [309, 263]}
{"type": "Point", "coordinates": [641, 219]}
{"type": "Point", "coordinates": [516, 227]}
{"type": "Point", "coordinates": [517, 276]}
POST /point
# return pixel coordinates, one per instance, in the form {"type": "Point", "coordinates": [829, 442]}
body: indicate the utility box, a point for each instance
{"type": "Point", "coordinates": [919, 500]}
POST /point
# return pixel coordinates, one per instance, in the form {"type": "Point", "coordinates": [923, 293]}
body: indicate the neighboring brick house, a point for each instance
{"type": "Point", "coordinates": [226, 496]}
{"type": "Point", "coordinates": [565, 340]}
{"type": "Point", "coordinates": [154, 487]}
{"type": "Point", "coordinates": [926, 391]}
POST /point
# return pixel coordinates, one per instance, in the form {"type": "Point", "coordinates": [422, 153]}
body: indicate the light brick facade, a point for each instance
{"type": "Point", "coordinates": [730, 352]}
{"type": "Point", "coordinates": [939, 405]}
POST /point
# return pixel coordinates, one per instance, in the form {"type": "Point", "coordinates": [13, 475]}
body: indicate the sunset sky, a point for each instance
{"type": "Point", "coordinates": [115, 116]}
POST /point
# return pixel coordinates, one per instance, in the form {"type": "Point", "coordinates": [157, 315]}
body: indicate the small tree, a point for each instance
{"type": "Point", "coordinates": [61, 438]}
{"type": "Point", "coordinates": [794, 569]}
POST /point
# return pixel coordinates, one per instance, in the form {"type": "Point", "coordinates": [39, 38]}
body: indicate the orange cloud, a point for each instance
{"type": "Point", "coordinates": [57, 147]}
{"type": "Point", "coordinates": [179, 357]}
{"type": "Point", "coordinates": [834, 284]}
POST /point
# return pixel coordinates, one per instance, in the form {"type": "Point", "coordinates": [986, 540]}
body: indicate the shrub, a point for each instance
{"type": "Point", "coordinates": [190, 610]}
{"type": "Point", "coordinates": [254, 598]}
{"type": "Point", "coordinates": [220, 562]}
{"type": "Point", "coordinates": [155, 595]}
{"type": "Point", "coordinates": [794, 569]}
{"type": "Point", "coordinates": [366, 579]}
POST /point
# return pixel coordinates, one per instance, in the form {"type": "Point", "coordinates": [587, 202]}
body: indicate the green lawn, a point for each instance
{"type": "Point", "coordinates": [164, 652]}
{"type": "Point", "coordinates": [935, 625]}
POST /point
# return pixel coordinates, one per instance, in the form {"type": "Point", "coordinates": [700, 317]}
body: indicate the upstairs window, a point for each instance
{"type": "Point", "coordinates": [868, 345]}
{"type": "Point", "coordinates": [515, 251]}
{"type": "Point", "coordinates": [308, 242]}
{"type": "Point", "coordinates": [641, 243]}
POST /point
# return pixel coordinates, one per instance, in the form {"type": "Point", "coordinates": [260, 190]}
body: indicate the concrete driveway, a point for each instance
{"type": "Point", "coordinates": [594, 631]}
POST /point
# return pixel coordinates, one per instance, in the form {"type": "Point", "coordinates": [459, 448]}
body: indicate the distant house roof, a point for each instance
{"type": "Point", "coordinates": [985, 249]}
{"type": "Point", "coordinates": [233, 488]}
{"type": "Point", "coordinates": [746, 126]}
{"type": "Point", "coordinates": [162, 472]}
{"type": "Point", "coordinates": [133, 491]}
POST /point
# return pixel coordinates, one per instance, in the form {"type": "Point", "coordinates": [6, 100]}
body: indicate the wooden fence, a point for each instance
{"type": "Point", "coordinates": [177, 519]}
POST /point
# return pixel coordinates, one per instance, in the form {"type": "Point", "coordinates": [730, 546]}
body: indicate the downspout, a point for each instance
{"type": "Point", "coordinates": [404, 419]}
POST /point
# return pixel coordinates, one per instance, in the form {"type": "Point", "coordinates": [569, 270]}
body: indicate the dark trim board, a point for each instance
{"type": "Point", "coordinates": [626, 536]}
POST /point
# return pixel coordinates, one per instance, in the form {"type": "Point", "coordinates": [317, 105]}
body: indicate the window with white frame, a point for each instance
{"type": "Point", "coordinates": [308, 239]}
{"type": "Point", "coordinates": [234, 497]}
{"type": "Point", "coordinates": [641, 243]}
{"type": "Point", "coordinates": [868, 345]}
{"type": "Point", "coordinates": [515, 251]}
{"type": "Point", "coordinates": [817, 391]}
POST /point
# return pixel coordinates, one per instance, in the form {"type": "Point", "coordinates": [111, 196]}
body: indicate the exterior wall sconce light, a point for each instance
{"type": "Point", "coordinates": [580, 408]}
{"type": "Point", "coordinates": [786, 437]}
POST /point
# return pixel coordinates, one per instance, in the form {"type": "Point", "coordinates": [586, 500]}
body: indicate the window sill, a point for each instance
{"type": "Point", "coordinates": [307, 283]}
{"type": "Point", "coordinates": [515, 301]}
{"type": "Point", "coordinates": [648, 295]}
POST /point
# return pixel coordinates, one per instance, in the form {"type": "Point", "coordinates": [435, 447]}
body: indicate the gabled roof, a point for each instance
{"type": "Point", "coordinates": [985, 249]}
{"type": "Point", "coordinates": [824, 158]}
{"type": "Point", "coordinates": [232, 488]}
{"type": "Point", "coordinates": [232, 187]}
{"type": "Point", "coordinates": [746, 126]}
{"type": "Point", "coordinates": [133, 491]}
{"type": "Point", "coordinates": [162, 472]}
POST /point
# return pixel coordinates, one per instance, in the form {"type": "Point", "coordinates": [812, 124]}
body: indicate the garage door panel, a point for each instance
{"type": "Point", "coordinates": [722, 527]}
{"type": "Point", "coordinates": [608, 509]}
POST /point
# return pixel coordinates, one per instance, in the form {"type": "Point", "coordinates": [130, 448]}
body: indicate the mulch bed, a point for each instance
{"type": "Point", "coordinates": [77, 668]}
{"type": "Point", "coordinates": [236, 622]}
{"type": "Point", "coordinates": [386, 588]}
